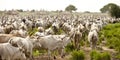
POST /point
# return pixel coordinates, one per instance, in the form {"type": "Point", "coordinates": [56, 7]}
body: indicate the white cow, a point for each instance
{"type": "Point", "coordinates": [53, 42]}
{"type": "Point", "coordinates": [49, 31]}
{"type": "Point", "coordinates": [2, 30]}
{"type": "Point", "coordinates": [19, 33]}
{"type": "Point", "coordinates": [39, 34]}
{"type": "Point", "coordinates": [9, 52]}
{"type": "Point", "coordinates": [28, 44]}
{"type": "Point", "coordinates": [93, 36]}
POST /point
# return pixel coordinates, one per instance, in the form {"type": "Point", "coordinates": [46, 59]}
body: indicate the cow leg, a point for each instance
{"type": "Point", "coordinates": [0, 57]}
{"type": "Point", "coordinates": [27, 54]}
{"type": "Point", "coordinates": [75, 43]}
{"type": "Point", "coordinates": [49, 54]}
{"type": "Point", "coordinates": [8, 58]}
{"type": "Point", "coordinates": [62, 53]}
{"type": "Point", "coordinates": [4, 58]}
{"type": "Point", "coordinates": [91, 45]}
{"type": "Point", "coordinates": [94, 45]}
{"type": "Point", "coordinates": [78, 44]}
{"type": "Point", "coordinates": [31, 56]}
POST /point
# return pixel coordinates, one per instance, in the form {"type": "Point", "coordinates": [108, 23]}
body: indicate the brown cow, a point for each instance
{"type": "Point", "coordinates": [5, 37]}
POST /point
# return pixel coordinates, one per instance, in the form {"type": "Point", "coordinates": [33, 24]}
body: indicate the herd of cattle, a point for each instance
{"type": "Point", "coordinates": [16, 43]}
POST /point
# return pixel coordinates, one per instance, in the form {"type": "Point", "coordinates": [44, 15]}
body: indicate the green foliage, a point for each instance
{"type": "Point", "coordinates": [20, 10]}
{"type": "Point", "coordinates": [36, 53]}
{"type": "Point", "coordinates": [69, 47]}
{"type": "Point", "coordinates": [82, 43]}
{"type": "Point", "coordinates": [60, 31]}
{"type": "Point", "coordinates": [112, 35]}
{"type": "Point", "coordinates": [78, 55]}
{"type": "Point", "coordinates": [113, 9]}
{"type": "Point", "coordinates": [86, 11]}
{"type": "Point", "coordinates": [33, 10]}
{"type": "Point", "coordinates": [104, 9]}
{"type": "Point", "coordinates": [70, 8]}
{"type": "Point", "coordinates": [32, 31]}
{"type": "Point", "coordinates": [118, 56]}
{"type": "Point", "coordinates": [95, 55]}
{"type": "Point", "coordinates": [105, 56]}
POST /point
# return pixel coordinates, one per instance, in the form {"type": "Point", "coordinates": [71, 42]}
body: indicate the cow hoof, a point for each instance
{"type": "Point", "coordinates": [63, 56]}
{"type": "Point", "coordinates": [54, 57]}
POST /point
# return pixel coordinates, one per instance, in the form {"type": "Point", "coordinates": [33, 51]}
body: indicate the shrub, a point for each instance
{"type": "Point", "coordinates": [111, 33]}
{"type": "Point", "coordinates": [95, 55]}
{"type": "Point", "coordinates": [60, 31]}
{"type": "Point", "coordinates": [105, 56]}
{"type": "Point", "coordinates": [118, 56]}
{"type": "Point", "coordinates": [69, 47]}
{"type": "Point", "coordinates": [35, 53]}
{"type": "Point", "coordinates": [32, 31]}
{"type": "Point", "coordinates": [99, 56]}
{"type": "Point", "coordinates": [38, 52]}
{"type": "Point", "coordinates": [78, 55]}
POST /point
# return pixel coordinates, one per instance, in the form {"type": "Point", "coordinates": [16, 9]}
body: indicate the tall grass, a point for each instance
{"type": "Point", "coordinates": [78, 55]}
{"type": "Point", "coordinates": [95, 55]}
{"type": "Point", "coordinates": [32, 31]}
{"type": "Point", "coordinates": [112, 35]}
{"type": "Point", "coordinates": [69, 48]}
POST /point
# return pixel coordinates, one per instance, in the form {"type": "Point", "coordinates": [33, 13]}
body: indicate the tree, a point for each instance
{"type": "Point", "coordinates": [33, 10]}
{"type": "Point", "coordinates": [20, 10]}
{"type": "Point", "coordinates": [70, 8]}
{"type": "Point", "coordinates": [86, 11]}
{"type": "Point", "coordinates": [115, 11]}
{"type": "Point", "coordinates": [112, 9]}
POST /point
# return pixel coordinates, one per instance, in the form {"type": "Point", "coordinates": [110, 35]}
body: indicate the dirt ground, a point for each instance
{"type": "Point", "coordinates": [51, 58]}
{"type": "Point", "coordinates": [67, 57]}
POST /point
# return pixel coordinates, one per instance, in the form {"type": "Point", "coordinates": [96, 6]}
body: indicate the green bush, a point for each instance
{"type": "Point", "coordinates": [105, 56]}
{"type": "Point", "coordinates": [32, 31]}
{"type": "Point", "coordinates": [112, 35]}
{"type": "Point", "coordinates": [36, 53]}
{"type": "Point", "coordinates": [78, 55]}
{"type": "Point", "coordinates": [95, 55]}
{"type": "Point", "coordinates": [60, 31]}
{"type": "Point", "coordinates": [118, 56]}
{"type": "Point", "coordinates": [69, 47]}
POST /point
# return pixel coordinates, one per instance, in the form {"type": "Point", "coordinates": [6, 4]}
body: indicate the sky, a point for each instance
{"type": "Point", "coordinates": [81, 5]}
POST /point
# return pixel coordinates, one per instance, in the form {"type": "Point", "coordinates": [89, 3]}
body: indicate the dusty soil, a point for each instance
{"type": "Point", "coordinates": [51, 58]}
{"type": "Point", "coordinates": [67, 57]}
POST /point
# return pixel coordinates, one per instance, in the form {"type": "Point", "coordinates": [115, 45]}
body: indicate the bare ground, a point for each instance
{"type": "Point", "coordinates": [67, 57]}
